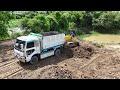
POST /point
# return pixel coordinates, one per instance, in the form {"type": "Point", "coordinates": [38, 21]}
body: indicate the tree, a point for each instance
{"type": "Point", "coordinates": [24, 23]}
{"type": "Point", "coordinates": [105, 22]}
{"type": "Point", "coordinates": [53, 23]}
{"type": "Point", "coordinates": [5, 16]}
{"type": "Point", "coordinates": [43, 22]}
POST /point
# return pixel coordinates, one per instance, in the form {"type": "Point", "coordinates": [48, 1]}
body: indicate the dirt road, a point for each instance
{"type": "Point", "coordinates": [79, 63]}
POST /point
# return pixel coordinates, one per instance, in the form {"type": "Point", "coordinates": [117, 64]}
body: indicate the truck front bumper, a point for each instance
{"type": "Point", "coordinates": [22, 59]}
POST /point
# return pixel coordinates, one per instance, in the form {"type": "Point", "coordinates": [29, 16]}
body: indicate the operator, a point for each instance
{"type": "Point", "coordinates": [72, 34]}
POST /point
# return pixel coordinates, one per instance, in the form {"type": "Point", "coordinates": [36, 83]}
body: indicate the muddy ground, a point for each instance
{"type": "Point", "coordinates": [88, 61]}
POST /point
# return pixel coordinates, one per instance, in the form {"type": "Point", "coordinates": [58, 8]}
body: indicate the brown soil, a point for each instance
{"type": "Point", "coordinates": [85, 50]}
{"type": "Point", "coordinates": [88, 61]}
{"type": "Point", "coordinates": [56, 72]}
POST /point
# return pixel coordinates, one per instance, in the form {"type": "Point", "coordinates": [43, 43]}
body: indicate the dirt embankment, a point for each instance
{"type": "Point", "coordinates": [88, 61]}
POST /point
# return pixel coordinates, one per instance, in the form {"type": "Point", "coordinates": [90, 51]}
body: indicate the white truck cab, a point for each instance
{"type": "Point", "coordinates": [33, 47]}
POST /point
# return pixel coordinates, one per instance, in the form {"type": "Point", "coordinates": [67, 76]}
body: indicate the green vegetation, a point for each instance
{"type": "Point", "coordinates": [5, 16]}
{"type": "Point", "coordinates": [14, 23]}
{"type": "Point", "coordinates": [84, 23]}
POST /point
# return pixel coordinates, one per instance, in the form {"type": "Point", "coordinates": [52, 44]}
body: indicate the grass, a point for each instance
{"type": "Point", "coordinates": [81, 37]}
{"type": "Point", "coordinates": [92, 33]}
{"type": "Point", "coordinates": [103, 39]}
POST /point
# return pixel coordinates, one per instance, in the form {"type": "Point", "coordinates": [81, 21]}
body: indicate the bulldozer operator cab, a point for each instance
{"type": "Point", "coordinates": [72, 34]}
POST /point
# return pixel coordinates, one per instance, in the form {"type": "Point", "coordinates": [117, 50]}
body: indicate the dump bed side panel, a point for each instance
{"type": "Point", "coordinates": [53, 40]}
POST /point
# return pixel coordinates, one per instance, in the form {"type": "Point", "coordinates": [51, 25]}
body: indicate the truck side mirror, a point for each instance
{"type": "Point", "coordinates": [21, 46]}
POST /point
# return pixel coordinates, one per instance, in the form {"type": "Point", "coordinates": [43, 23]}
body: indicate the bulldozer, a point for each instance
{"type": "Point", "coordinates": [71, 41]}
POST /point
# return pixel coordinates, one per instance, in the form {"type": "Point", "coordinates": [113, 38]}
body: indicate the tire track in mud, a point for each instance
{"type": "Point", "coordinates": [26, 71]}
{"type": "Point", "coordinates": [9, 69]}
{"type": "Point", "coordinates": [91, 71]}
{"type": "Point", "coordinates": [7, 63]}
{"type": "Point", "coordinates": [7, 66]}
{"type": "Point", "coordinates": [12, 75]}
{"type": "Point", "coordinates": [12, 72]}
{"type": "Point", "coordinates": [91, 61]}
{"type": "Point", "coordinates": [99, 57]}
{"type": "Point", "coordinates": [17, 70]}
{"type": "Point", "coordinates": [19, 73]}
{"type": "Point", "coordinates": [29, 69]}
{"type": "Point", "coordinates": [23, 72]}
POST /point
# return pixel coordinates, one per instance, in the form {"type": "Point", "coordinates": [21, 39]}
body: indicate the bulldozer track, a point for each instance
{"type": "Point", "coordinates": [17, 71]}
{"type": "Point", "coordinates": [2, 67]}
{"type": "Point", "coordinates": [7, 63]}
{"type": "Point", "coordinates": [21, 70]}
{"type": "Point", "coordinates": [7, 73]}
{"type": "Point", "coordinates": [94, 60]}
{"type": "Point", "coordinates": [11, 74]}
{"type": "Point", "coordinates": [9, 69]}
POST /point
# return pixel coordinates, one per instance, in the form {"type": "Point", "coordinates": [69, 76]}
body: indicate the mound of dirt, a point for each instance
{"type": "Point", "coordinates": [85, 50]}
{"type": "Point", "coordinates": [56, 72]}
{"type": "Point", "coordinates": [68, 52]}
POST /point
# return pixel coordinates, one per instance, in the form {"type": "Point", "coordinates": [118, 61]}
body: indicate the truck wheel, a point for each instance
{"type": "Point", "coordinates": [57, 52]}
{"type": "Point", "coordinates": [62, 49]}
{"type": "Point", "coordinates": [34, 60]}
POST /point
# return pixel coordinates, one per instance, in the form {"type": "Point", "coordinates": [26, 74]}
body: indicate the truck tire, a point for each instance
{"type": "Point", "coordinates": [57, 52]}
{"type": "Point", "coordinates": [34, 60]}
{"type": "Point", "coordinates": [62, 48]}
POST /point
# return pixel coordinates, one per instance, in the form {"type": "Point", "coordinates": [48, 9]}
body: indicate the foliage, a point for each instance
{"type": "Point", "coordinates": [24, 23]}
{"type": "Point", "coordinates": [106, 22]}
{"type": "Point", "coordinates": [83, 22]}
{"type": "Point", "coordinates": [5, 16]}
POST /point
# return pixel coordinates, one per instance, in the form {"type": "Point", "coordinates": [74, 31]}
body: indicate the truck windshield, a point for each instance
{"type": "Point", "coordinates": [17, 45]}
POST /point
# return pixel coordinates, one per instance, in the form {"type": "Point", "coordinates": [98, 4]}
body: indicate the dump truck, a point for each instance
{"type": "Point", "coordinates": [33, 47]}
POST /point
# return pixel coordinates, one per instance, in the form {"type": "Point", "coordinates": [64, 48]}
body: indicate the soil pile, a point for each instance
{"type": "Point", "coordinates": [56, 72]}
{"type": "Point", "coordinates": [85, 50]}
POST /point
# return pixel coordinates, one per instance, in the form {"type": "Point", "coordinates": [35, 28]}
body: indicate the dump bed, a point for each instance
{"type": "Point", "coordinates": [52, 39]}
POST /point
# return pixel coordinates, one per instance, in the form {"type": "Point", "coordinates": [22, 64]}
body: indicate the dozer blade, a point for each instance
{"type": "Point", "coordinates": [72, 44]}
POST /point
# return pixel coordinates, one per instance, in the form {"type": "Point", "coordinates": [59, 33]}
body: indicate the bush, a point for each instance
{"type": "Point", "coordinates": [3, 31]}
{"type": "Point", "coordinates": [42, 23]}
{"type": "Point", "coordinates": [24, 23]}
{"type": "Point", "coordinates": [5, 16]}
{"type": "Point", "coordinates": [105, 23]}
